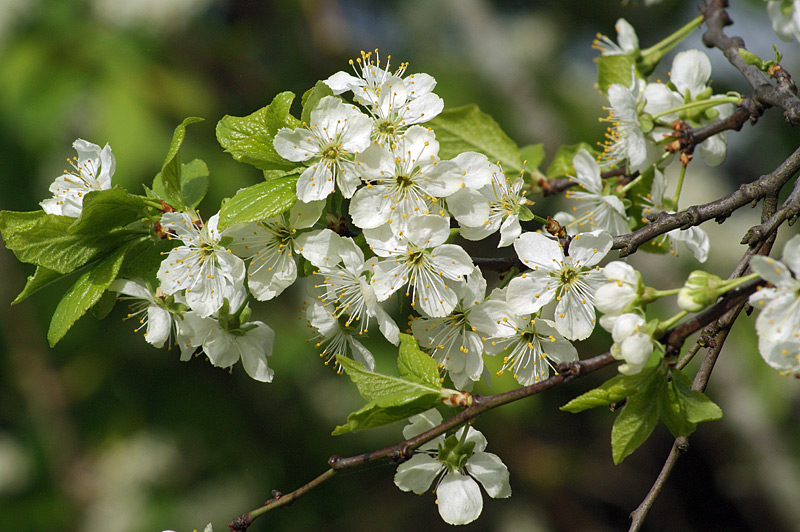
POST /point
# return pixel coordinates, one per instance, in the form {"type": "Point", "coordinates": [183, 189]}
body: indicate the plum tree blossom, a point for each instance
{"type": "Point", "coordinates": [785, 16]}
{"type": "Point", "coordinates": [202, 267]}
{"type": "Point", "coordinates": [403, 182]}
{"type": "Point", "coordinates": [336, 133]}
{"type": "Point", "coordinates": [271, 247]}
{"type": "Point", "coordinates": [632, 341]}
{"type": "Point", "coordinates": [336, 338]}
{"type": "Point", "coordinates": [92, 170]}
{"type": "Point", "coordinates": [457, 462]}
{"type": "Point", "coordinates": [622, 292]}
{"type": "Point", "coordinates": [570, 280]}
{"type": "Point", "coordinates": [155, 316]}
{"type": "Point", "coordinates": [627, 40]}
{"type": "Point", "coordinates": [602, 210]}
{"type": "Point", "coordinates": [420, 261]}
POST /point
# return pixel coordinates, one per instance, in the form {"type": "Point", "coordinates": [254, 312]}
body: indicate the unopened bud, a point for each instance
{"type": "Point", "coordinates": [700, 291]}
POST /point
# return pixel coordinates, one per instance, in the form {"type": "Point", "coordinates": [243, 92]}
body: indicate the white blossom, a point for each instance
{"type": "Point", "coordinates": [778, 322]}
{"type": "Point", "coordinates": [271, 248]}
{"type": "Point", "coordinates": [785, 17]}
{"type": "Point", "coordinates": [602, 210]}
{"type": "Point", "coordinates": [336, 133]}
{"type": "Point", "coordinates": [421, 262]}
{"type": "Point", "coordinates": [458, 496]}
{"type": "Point", "coordinates": [403, 182]}
{"type": "Point", "coordinates": [202, 267]}
{"type": "Point", "coordinates": [335, 338]}
{"type": "Point", "coordinates": [621, 293]}
{"type": "Point", "coordinates": [632, 342]}
{"type": "Point", "coordinates": [570, 280]}
{"type": "Point", "coordinates": [453, 340]}
{"type": "Point", "coordinates": [154, 316]}
{"type": "Point", "coordinates": [91, 170]}
{"type": "Point", "coordinates": [497, 204]}
{"type": "Point", "coordinates": [625, 138]}
{"type": "Point", "coordinates": [394, 102]}
{"type": "Point", "coordinates": [627, 41]}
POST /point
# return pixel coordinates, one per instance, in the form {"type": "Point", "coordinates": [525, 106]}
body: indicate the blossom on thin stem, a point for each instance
{"type": "Point", "coordinates": [603, 210]}
{"type": "Point", "coordinates": [92, 170]}
{"type": "Point", "coordinates": [152, 309]}
{"type": "Point", "coordinates": [336, 338]}
{"type": "Point", "coordinates": [457, 462]}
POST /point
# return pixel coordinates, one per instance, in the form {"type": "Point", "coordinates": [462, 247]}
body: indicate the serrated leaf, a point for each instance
{"type": "Point", "coordinates": [698, 406]}
{"type": "Point", "coordinates": [387, 409]}
{"type": "Point", "coordinates": [612, 391]}
{"type": "Point", "coordinates": [171, 169]}
{"type": "Point", "coordinates": [259, 202]}
{"type": "Point", "coordinates": [638, 417]}
{"type": "Point", "coordinates": [561, 165]}
{"type": "Point", "coordinates": [105, 209]}
{"type": "Point", "coordinates": [613, 69]}
{"type": "Point", "coordinates": [104, 305]}
{"type": "Point", "coordinates": [249, 138]}
{"type": "Point", "coordinates": [40, 278]}
{"type": "Point", "coordinates": [84, 293]}
{"type": "Point", "coordinates": [312, 97]}
{"type": "Point", "coordinates": [470, 129]}
{"type": "Point", "coordinates": [532, 156]}
{"type": "Point", "coordinates": [415, 365]}
{"type": "Point", "coordinates": [42, 239]}
{"type": "Point", "coordinates": [373, 386]}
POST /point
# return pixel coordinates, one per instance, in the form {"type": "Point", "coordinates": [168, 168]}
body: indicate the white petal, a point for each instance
{"type": "Point", "coordinates": [527, 294]}
{"type": "Point", "coordinates": [535, 249]}
{"type": "Point", "coordinates": [469, 207]}
{"type": "Point", "coordinates": [417, 474]}
{"type": "Point", "coordinates": [159, 325]}
{"type": "Point", "coordinates": [296, 144]}
{"type": "Point", "coordinates": [319, 247]}
{"type": "Point", "coordinates": [626, 36]}
{"type": "Point", "coordinates": [491, 472]}
{"type": "Point", "coordinates": [691, 70]}
{"type": "Point", "coordinates": [254, 348]}
{"type": "Point", "coordinates": [459, 499]}
{"type": "Point", "coordinates": [476, 168]}
{"type": "Point", "coordinates": [574, 317]}
{"type": "Point", "coordinates": [587, 171]}
{"type": "Point", "coordinates": [590, 248]}
{"type": "Point", "coordinates": [791, 255]}
{"type": "Point", "coordinates": [316, 182]}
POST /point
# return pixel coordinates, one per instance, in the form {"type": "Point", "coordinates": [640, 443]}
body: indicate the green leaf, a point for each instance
{"type": "Point", "coordinates": [672, 411]}
{"type": "Point", "coordinates": [312, 97]}
{"type": "Point", "coordinates": [415, 365]}
{"type": "Point", "coordinates": [525, 214]}
{"type": "Point", "coordinates": [470, 129]}
{"type": "Point", "coordinates": [698, 406]}
{"type": "Point", "coordinates": [104, 305]}
{"type": "Point", "coordinates": [259, 202]}
{"type": "Point", "coordinates": [249, 139]}
{"type": "Point", "coordinates": [373, 386]}
{"type": "Point", "coordinates": [40, 278]}
{"type": "Point", "coordinates": [612, 391]}
{"type": "Point", "coordinates": [145, 256]}
{"type": "Point", "coordinates": [105, 209]}
{"type": "Point", "coordinates": [636, 421]}
{"type": "Point", "coordinates": [194, 182]}
{"type": "Point", "coordinates": [613, 69]}
{"type": "Point", "coordinates": [386, 410]}
{"type": "Point", "coordinates": [171, 170]}
{"type": "Point", "coordinates": [561, 165]}
{"type": "Point", "coordinates": [42, 239]}
{"type": "Point", "coordinates": [84, 294]}
{"type": "Point", "coordinates": [638, 418]}
{"type": "Point", "coordinates": [532, 156]}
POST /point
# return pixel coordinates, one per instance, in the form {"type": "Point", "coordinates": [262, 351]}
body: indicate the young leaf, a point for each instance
{"type": "Point", "coordinates": [145, 257]}
{"type": "Point", "coordinates": [84, 294]}
{"type": "Point", "coordinates": [259, 202]}
{"type": "Point", "coordinates": [532, 155]}
{"type": "Point", "coordinates": [415, 365]}
{"type": "Point", "coordinates": [249, 138]}
{"type": "Point", "coordinates": [612, 391]}
{"type": "Point", "coordinates": [312, 97]}
{"type": "Point", "coordinates": [171, 170]}
{"type": "Point", "coordinates": [637, 419]}
{"type": "Point", "coordinates": [387, 409]}
{"type": "Point", "coordinates": [104, 305]}
{"type": "Point", "coordinates": [40, 278]}
{"type": "Point", "coordinates": [373, 386]}
{"type": "Point", "coordinates": [104, 209]}
{"type": "Point", "coordinates": [672, 411]}
{"type": "Point", "coordinates": [613, 69]}
{"type": "Point", "coordinates": [42, 239]}
{"type": "Point", "coordinates": [470, 129]}
{"type": "Point", "coordinates": [698, 406]}
{"type": "Point", "coordinates": [561, 165]}
{"type": "Point", "coordinates": [194, 182]}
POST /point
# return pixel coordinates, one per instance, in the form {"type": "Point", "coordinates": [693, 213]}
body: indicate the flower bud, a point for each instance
{"type": "Point", "coordinates": [622, 293]}
{"type": "Point", "coordinates": [700, 291]}
{"type": "Point", "coordinates": [632, 343]}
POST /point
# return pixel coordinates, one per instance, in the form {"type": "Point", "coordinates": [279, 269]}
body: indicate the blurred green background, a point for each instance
{"type": "Point", "coordinates": [105, 434]}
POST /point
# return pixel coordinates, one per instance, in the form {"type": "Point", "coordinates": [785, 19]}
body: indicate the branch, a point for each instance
{"type": "Point", "coordinates": [719, 209]}
{"type": "Point", "coordinates": [402, 451]}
